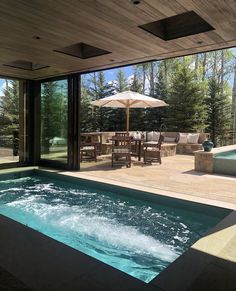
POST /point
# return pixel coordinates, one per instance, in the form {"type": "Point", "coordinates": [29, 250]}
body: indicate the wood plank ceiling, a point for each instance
{"type": "Point", "coordinates": [31, 30]}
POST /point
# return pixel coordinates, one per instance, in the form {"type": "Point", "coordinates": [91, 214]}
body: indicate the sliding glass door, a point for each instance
{"type": "Point", "coordinates": [12, 128]}
{"type": "Point", "coordinates": [54, 121]}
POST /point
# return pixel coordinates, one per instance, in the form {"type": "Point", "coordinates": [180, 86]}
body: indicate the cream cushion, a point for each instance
{"type": "Point", "coordinates": [121, 151]}
{"type": "Point", "coordinates": [132, 134]}
{"type": "Point", "coordinates": [137, 135]}
{"type": "Point", "coordinates": [169, 139]}
{"type": "Point", "coordinates": [193, 137]}
{"type": "Point", "coordinates": [183, 138]}
{"type": "Point", "coordinates": [150, 135]}
{"type": "Point", "coordinates": [156, 136]}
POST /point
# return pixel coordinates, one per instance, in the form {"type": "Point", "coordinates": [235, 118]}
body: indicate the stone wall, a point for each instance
{"type": "Point", "coordinates": [203, 161]}
{"type": "Point", "coordinates": [187, 148]}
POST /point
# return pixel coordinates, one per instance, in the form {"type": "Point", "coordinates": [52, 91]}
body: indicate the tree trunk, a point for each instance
{"type": "Point", "coordinates": [165, 71]}
{"type": "Point", "coordinates": [151, 79]}
{"type": "Point", "coordinates": [222, 72]}
{"type": "Point", "coordinates": [214, 64]}
{"type": "Point", "coordinates": [196, 65]}
{"type": "Point", "coordinates": [234, 106]}
{"type": "Point", "coordinates": [144, 77]}
{"type": "Point", "coordinates": [95, 84]}
{"type": "Point", "coordinates": [204, 66]}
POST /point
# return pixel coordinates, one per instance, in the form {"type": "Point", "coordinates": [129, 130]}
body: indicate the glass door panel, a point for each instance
{"type": "Point", "coordinates": [54, 121]}
{"type": "Point", "coordinates": [9, 121]}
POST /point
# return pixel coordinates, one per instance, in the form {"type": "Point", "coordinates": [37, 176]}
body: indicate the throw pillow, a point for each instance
{"type": "Point", "coordinates": [150, 135]}
{"type": "Point", "coordinates": [137, 135]}
{"type": "Point", "coordinates": [193, 137]}
{"type": "Point", "coordinates": [156, 136]}
{"type": "Point", "coordinates": [183, 138]}
{"type": "Point", "coordinates": [169, 139]}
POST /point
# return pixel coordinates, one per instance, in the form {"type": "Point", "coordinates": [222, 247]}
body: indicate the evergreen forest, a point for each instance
{"type": "Point", "coordinates": [200, 90]}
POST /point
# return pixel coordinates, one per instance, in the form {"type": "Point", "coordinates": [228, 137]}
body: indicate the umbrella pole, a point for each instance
{"type": "Point", "coordinates": [127, 119]}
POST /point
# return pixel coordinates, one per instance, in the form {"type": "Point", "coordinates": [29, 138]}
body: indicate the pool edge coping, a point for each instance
{"type": "Point", "coordinates": [151, 190]}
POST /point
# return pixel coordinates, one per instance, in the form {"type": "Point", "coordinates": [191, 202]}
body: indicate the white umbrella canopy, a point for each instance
{"type": "Point", "coordinates": [129, 99]}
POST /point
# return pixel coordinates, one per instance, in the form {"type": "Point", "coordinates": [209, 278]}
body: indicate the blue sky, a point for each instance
{"type": "Point", "coordinates": [111, 74]}
{"type": "Point", "coordinates": [1, 83]}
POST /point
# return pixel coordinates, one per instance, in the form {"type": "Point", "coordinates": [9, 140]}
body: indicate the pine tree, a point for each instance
{"type": "Point", "coordinates": [118, 115]}
{"type": "Point", "coordinates": [157, 116]}
{"type": "Point", "coordinates": [9, 108]}
{"type": "Point", "coordinates": [53, 112]}
{"type": "Point", "coordinates": [219, 112]}
{"type": "Point", "coordinates": [100, 89]}
{"type": "Point", "coordinates": [86, 112]}
{"type": "Point", "coordinates": [9, 116]}
{"type": "Point", "coordinates": [142, 71]}
{"type": "Point", "coordinates": [186, 110]}
{"type": "Point", "coordinates": [233, 111]}
{"type": "Point", "coordinates": [137, 115]}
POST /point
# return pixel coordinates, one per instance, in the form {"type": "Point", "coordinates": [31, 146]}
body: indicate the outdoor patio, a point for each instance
{"type": "Point", "coordinates": [174, 177]}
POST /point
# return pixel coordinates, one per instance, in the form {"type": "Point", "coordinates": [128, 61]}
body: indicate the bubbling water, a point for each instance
{"type": "Point", "coordinates": [135, 237]}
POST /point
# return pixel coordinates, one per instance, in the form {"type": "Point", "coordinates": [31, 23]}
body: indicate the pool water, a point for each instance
{"type": "Point", "coordinates": [227, 155]}
{"type": "Point", "coordinates": [137, 237]}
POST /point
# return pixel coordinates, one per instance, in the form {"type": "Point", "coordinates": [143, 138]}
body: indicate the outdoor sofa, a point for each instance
{"type": "Point", "coordinates": [174, 142]}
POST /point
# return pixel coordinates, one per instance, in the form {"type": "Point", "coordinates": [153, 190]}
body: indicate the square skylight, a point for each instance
{"type": "Point", "coordinates": [181, 25]}
{"type": "Point", "coordinates": [25, 65]}
{"type": "Point", "coordinates": [82, 50]}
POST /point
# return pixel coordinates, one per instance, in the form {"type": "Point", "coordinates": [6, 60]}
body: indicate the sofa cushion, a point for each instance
{"type": "Point", "coordinates": [156, 136]}
{"type": "Point", "coordinates": [183, 138]}
{"type": "Point", "coordinates": [137, 135]}
{"type": "Point", "coordinates": [193, 137]}
{"type": "Point", "coordinates": [169, 139]}
{"type": "Point", "coordinates": [150, 136]}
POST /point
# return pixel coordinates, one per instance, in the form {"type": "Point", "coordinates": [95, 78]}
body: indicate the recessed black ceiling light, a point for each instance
{"type": "Point", "coordinates": [82, 50]}
{"type": "Point", "coordinates": [181, 25]}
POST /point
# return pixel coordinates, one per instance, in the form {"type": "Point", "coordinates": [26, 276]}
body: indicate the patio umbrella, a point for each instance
{"type": "Point", "coordinates": [127, 100]}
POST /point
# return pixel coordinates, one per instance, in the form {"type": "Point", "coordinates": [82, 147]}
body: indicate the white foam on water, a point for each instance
{"type": "Point", "coordinates": [181, 239]}
{"type": "Point", "coordinates": [81, 192]}
{"type": "Point", "coordinates": [82, 221]}
{"type": "Point", "coordinates": [13, 189]}
{"type": "Point", "coordinates": [118, 235]}
{"type": "Point", "coordinates": [14, 181]}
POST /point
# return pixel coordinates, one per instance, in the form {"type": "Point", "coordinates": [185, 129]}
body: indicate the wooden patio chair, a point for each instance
{"type": "Point", "coordinates": [152, 151]}
{"type": "Point", "coordinates": [88, 150]}
{"type": "Point", "coordinates": [121, 150]}
{"type": "Point", "coordinates": [122, 133]}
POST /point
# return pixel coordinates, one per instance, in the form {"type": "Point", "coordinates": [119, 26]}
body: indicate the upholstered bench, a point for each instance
{"type": "Point", "coordinates": [171, 146]}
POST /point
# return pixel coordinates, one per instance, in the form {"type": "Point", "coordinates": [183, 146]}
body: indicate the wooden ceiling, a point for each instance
{"type": "Point", "coordinates": [31, 30]}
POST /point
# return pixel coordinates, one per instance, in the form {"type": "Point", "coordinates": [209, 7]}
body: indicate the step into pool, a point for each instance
{"type": "Point", "coordinates": [136, 232]}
